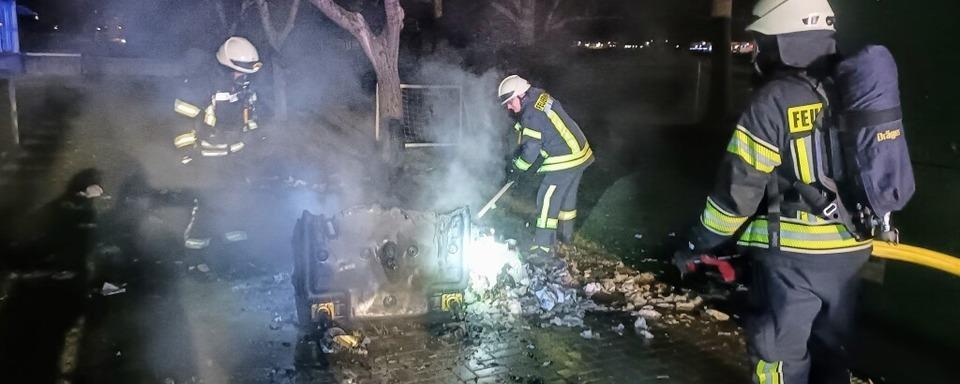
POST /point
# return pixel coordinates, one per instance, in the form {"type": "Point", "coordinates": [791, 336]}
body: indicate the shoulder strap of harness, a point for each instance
{"type": "Point", "coordinates": [826, 203]}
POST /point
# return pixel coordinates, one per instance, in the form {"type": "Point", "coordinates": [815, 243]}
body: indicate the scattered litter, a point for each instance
{"type": "Point", "coordinates": [280, 277]}
{"type": "Point", "coordinates": [649, 314]}
{"type": "Point", "coordinates": [587, 334]}
{"type": "Point", "coordinates": [640, 324]}
{"type": "Point", "coordinates": [64, 275]}
{"type": "Point", "coordinates": [91, 192]}
{"type": "Point", "coordinates": [619, 329]}
{"type": "Point", "coordinates": [638, 236]}
{"type": "Point", "coordinates": [591, 288]}
{"type": "Point", "coordinates": [109, 289]}
{"type": "Point", "coordinates": [663, 377]}
{"type": "Point", "coordinates": [169, 381]}
{"type": "Point", "coordinates": [337, 340]}
{"type": "Point", "coordinates": [546, 363]}
{"type": "Point", "coordinates": [235, 236]}
{"type": "Point", "coordinates": [672, 234]}
{"type": "Point", "coordinates": [724, 334]}
{"type": "Point", "coordinates": [547, 298]}
{"type": "Point", "coordinates": [203, 268]}
{"type": "Point", "coordinates": [192, 243]}
{"type": "Point", "coordinates": [717, 315]}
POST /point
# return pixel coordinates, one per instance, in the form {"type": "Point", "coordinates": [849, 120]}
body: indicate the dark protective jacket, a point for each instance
{"type": "Point", "coordinates": [546, 130]}
{"type": "Point", "coordinates": [775, 139]}
{"type": "Point", "coordinates": [222, 111]}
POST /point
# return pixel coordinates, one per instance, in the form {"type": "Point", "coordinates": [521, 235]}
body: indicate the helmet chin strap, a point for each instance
{"type": "Point", "coordinates": [757, 69]}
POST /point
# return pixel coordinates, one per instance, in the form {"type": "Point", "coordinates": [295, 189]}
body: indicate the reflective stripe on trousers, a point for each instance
{"type": "Point", "coordinates": [556, 207]}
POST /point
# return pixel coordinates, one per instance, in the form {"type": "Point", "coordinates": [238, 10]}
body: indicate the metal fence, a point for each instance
{"type": "Point", "coordinates": [432, 115]}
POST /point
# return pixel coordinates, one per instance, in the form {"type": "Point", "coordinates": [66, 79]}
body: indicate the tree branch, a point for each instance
{"type": "Point", "coordinates": [291, 19]}
{"type": "Point", "coordinates": [513, 17]}
{"type": "Point", "coordinates": [353, 22]}
{"type": "Point", "coordinates": [395, 16]}
{"type": "Point", "coordinates": [267, 23]}
{"type": "Point", "coordinates": [553, 9]}
{"type": "Point", "coordinates": [221, 13]}
{"type": "Point", "coordinates": [563, 23]}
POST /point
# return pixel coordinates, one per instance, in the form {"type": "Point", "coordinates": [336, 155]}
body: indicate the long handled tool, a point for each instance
{"type": "Point", "coordinates": [493, 202]}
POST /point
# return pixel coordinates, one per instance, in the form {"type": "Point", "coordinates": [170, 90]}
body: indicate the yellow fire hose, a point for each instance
{"type": "Point", "coordinates": [917, 255]}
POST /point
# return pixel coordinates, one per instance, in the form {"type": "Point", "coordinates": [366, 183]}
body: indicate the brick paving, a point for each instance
{"type": "Point", "coordinates": [413, 352]}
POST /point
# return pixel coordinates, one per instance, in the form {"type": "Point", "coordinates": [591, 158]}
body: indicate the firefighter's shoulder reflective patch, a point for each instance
{"type": "Point", "coordinates": [802, 118]}
{"type": "Point", "coordinates": [542, 101]}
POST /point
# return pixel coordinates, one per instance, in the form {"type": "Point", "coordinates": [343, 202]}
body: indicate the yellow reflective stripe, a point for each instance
{"type": "Point", "coordinates": [564, 132]}
{"type": "Point", "coordinates": [719, 221]}
{"type": "Point", "coordinates": [521, 165]}
{"type": "Point", "coordinates": [251, 125]}
{"type": "Point", "coordinates": [570, 157]}
{"type": "Point", "coordinates": [802, 237]}
{"type": "Point", "coordinates": [531, 133]}
{"type": "Point", "coordinates": [548, 223]}
{"type": "Point", "coordinates": [754, 151]}
{"type": "Point", "coordinates": [185, 139]}
{"type": "Point", "coordinates": [769, 372]}
{"type": "Point", "coordinates": [517, 127]}
{"type": "Point", "coordinates": [551, 165]}
{"type": "Point", "coordinates": [567, 215]}
{"type": "Point", "coordinates": [542, 220]}
{"type": "Point", "coordinates": [803, 160]}
{"type": "Point", "coordinates": [761, 372]}
{"type": "Point", "coordinates": [185, 108]}
{"type": "Point", "coordinates": [209, 116]}
{"type": "Point", "coordinates": [544, 154]}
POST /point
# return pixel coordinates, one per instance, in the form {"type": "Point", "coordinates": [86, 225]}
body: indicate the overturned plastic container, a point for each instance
{"type": "Point", "coordinates": [372, 262]}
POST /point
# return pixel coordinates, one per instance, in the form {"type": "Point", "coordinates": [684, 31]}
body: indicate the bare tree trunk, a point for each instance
{"type": "Point", "coordinates": [382, 50]}
{"type": "Point", "coordinates": [531, 18]}
{"type": "Point", "coordinates": [230, 26]}
{"type": "Point", "coordinates": [280, 91]}
{"type": "Point", "coordinates": [437, 9]}
{"type": "Point", "coordinates": [276, 39]}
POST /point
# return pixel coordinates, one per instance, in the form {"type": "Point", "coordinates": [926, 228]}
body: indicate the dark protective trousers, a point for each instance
{"type": "Point", "coordinates": [802, 315]}
{"type": "Point", "coordinates": [556, 209]}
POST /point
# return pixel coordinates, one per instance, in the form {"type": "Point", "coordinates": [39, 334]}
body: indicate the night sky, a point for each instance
{"type": "Point", "coordinates": [187, 21]}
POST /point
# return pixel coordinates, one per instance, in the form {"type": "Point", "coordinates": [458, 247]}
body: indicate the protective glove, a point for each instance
{"type": "Point", "coordinates": [513, 174]}
{"type": "Point", "coordinates": [688, 260]}
{"type": "Point", "coordinates": [684, 257]}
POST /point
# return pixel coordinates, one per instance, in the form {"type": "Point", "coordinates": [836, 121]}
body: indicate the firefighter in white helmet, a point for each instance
{"type": "Point", "coordinates": [222, 108]}
{"type": "Point", "coordinates": [804, 266]}
{"type": "Point", "coordinates": [545, 131]}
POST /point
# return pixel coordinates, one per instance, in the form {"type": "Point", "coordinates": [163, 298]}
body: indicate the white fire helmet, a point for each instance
{"type": "Point", "coordinates": [511, 87]}
{"type": "Point", "coordinates": [777, 17]}
{"type": "Point", "coordinates": [238, 54]}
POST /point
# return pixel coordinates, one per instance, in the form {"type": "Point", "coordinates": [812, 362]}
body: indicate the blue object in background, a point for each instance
{"type": "Point", "coordinates": [9, 34]}
{"type": "Point", "coordinates": [10, 60]}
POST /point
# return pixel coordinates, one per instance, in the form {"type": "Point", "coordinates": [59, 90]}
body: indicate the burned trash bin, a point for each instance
{"type": "Point", "coordinates": [371, 262]}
